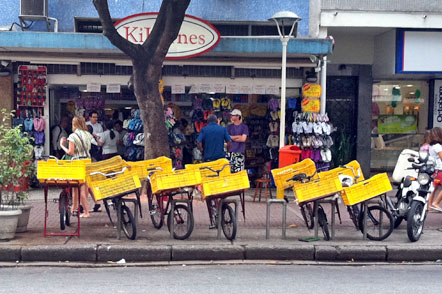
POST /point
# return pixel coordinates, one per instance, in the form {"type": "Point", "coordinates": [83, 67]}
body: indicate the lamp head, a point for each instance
{"type": "Point", "coordinates": [283, 19]}
{"type": "Point", "coordinates": [286, 17]}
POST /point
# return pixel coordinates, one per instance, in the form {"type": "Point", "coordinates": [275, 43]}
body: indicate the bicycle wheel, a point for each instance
{"type": "Point", "coordinates": [183, 221]}
{"type": "Point", "coordinates": [228, 222]}
{"type": "Point", "coordinates": [128, 222]}
{"type": "Point", "coordinates": [323, 223]}
{"type": "Point", "coordinates": [155, 203]}
{"type": "Point", "coordinates": [307, 215]}
{"type": "Point", "coordinates": [63, 208]}
{"type": "Point", "coordinates": [379, 223]}
{"type": "Point", "coordinates": [354, 213]}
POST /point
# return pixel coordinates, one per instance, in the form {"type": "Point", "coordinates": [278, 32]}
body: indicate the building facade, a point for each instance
{"type": "Point", "coordinates": [387, 59]}
{"type": "Point", "coordinates": [66, 41]}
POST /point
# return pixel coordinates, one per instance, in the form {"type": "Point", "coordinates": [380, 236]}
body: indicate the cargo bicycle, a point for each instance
{"type": "Point", "coordinates": [126, 222]}
{"type": "Point", "coordinates": [374, 221]}
{"type": "Point", "coordinates": [67, 175]}
{"type": "Point", "coordinates": [170, 193]}
{"type": "Point", "coordinates": [113, 180]}
{"type": "Point", "coordinates": [216, 187]}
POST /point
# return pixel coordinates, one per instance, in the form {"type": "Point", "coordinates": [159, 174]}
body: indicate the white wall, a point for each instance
{"type": "Point", "coordinates": [384, 55]}
{"type": "Point", "coordinates": [352, 48]}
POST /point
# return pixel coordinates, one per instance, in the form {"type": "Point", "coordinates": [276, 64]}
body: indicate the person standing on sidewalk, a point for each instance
{"type": "Point", "coordinates": [238, 132]}
{"type": "Point", "coordinates": [58, 132]}
{"type": "Point", "coordinates": [108, 140]}
{"type": "Point", "coordinates": [212, 138]}
{"type": "Point", "coordinates": [79, 144]}
{"type": "Point", "coordinates": [435, 151]}
{"type": "Point", "coordinates": [211, 143]}
{"type": "Point", "coordinates": [96, 129]}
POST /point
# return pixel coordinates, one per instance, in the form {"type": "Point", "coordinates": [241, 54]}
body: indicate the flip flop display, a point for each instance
{"type": "Point", "coordinates": [311, 132]}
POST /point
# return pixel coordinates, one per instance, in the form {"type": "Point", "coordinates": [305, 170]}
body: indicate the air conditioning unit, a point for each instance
{"type": "Point", "coordinates": [34, 8]}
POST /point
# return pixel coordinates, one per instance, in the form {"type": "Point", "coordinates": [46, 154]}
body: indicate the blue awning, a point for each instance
{"type": "Point", "coordinates": [97, 43]}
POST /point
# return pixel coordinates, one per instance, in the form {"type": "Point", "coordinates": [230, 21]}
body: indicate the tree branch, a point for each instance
{"type": "Point", "coordinates": [166, 28]}
{"type": "Point", "coordinates": [111, 33]}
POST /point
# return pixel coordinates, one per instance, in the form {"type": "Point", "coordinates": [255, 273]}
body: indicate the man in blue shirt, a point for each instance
{"type": "Point", "coordinates": [211, 143]}
{"type": "Point", "coordinates": [211, 140]}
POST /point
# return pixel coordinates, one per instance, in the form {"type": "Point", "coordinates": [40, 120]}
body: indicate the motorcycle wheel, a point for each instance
{"type": "Point", "coordinates": [414, 225]}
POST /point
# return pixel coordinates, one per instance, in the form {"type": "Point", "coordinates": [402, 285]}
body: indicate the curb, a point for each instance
{"type": "Point", "coordinates": [208, 252]}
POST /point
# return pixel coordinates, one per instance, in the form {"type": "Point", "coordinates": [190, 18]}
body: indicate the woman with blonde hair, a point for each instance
{"type": "Point", "coordinates": [79, 144]}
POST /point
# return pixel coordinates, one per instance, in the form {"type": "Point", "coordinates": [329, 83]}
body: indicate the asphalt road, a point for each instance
{"type": "Point", "coordinates": [224, 279]}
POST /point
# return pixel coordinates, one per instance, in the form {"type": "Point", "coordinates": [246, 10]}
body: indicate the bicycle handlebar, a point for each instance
{"type": "Point", "coordinates": [109, 174]}
{"type": "Point", "coordinates": [152, 171]}
{"type": "Point", "coordinates": [301, 177]}
{"type": "Point", "coordinates": [215, 171]}
{"type": "Point", "coordinates": [356, 176]}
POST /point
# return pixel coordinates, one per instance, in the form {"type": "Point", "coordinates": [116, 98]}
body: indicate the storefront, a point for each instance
{"type": "Point", "coordinates": [399, 119]}
{"type": "Point", "coordinates": [85, 72]}
{"type": "Point", "coordinates": [405, 95]}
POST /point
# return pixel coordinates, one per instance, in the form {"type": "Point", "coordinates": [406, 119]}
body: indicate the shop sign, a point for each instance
{"type": "Point", "coordinates": [246, 89]}
{"type": "Point", "coordinates": [232, 89]}
{"type": "Point", "coordinates": [178, 89]}
{"type": "Point", "coordinates": [397, 124]}
{"type": "Point", "coordinates": [311, 90]}
{"type": "Point", "coordinates": [195, 37]}
{"type": "Point", "coordinates": [437, 112]}
{"type": "Point", "coordinates": [220, 88]}
{"type": "Point", "coordinates": [259, 89]}
{"type": "Point", "coordinates": [113, 88]}
{"type": "Point", "coordinates": [194, 89]}
{"type": "Point", "coordinates": [310, 104]}
{"type": "Point", "coordinates": [93, 87]}
{"type": "Point", "coordinates": [207, 88]}
{"type": "Point", "coordinates": [272, 90]}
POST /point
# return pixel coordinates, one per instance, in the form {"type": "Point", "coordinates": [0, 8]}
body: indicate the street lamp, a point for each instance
{"type": "Point", "coordinates": [284, 19]}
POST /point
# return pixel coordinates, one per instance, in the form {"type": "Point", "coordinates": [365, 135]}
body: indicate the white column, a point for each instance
{"type": "Point", "coordinates": [284, 41]}
{"type": "Point", "coordinates": [323, 83]}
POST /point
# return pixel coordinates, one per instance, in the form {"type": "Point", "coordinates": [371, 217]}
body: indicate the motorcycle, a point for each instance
{"type": "Point", "coordinates": [413, 194]}
{"type": "Point", "coordinates": [418, 209]}
{"type": "Point", "coordinates": [405, 178]}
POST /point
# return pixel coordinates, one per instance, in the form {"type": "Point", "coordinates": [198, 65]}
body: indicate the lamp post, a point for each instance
{"type": "Point", "coordinates": [284, 19]}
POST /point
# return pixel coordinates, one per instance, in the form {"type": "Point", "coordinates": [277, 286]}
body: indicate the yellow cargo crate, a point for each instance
{"type": "Point", "coordinates": [125, 182]}
{"type": "Point", "coordinates": [354, 168]}
{"type": "Point", "coordinates": [161, 181]}
{"type": "Point", "coordinates": [58, 170]}
{"type": "Point", "coordinates": [225, 184]}
{"type": "Point", "coordinates": [114, 164]}
{"type": "Point", "coordinates": [215, 165]}
{"type": "Point", "coordinates": [367, 189]}
{"type": "Point", "coordinates": [281, 175]}
{"type": "Point", "coordinates": [315, 189]}
{"type": "Point", "coordinates": [144, 168]}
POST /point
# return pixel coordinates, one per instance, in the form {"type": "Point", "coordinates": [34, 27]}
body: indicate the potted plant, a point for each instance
{"type": "Point", "coordinates": [16, 168]}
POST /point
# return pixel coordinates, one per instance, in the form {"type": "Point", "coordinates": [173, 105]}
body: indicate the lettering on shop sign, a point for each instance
{"type": "Point", "coordinates": [439, 105]}
{"type": "Point", "coordinates": [195, 37]}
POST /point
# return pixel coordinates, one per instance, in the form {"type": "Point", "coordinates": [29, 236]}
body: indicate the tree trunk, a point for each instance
{"type": "Point", "coordinates": [151, 109]}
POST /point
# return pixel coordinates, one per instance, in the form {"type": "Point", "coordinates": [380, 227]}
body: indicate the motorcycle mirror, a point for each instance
{"type": "Point", "coordinates": [423, 156]}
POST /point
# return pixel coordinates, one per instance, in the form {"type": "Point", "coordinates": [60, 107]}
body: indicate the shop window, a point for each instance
{"type": "Point", "coordinates": [399, 119]}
